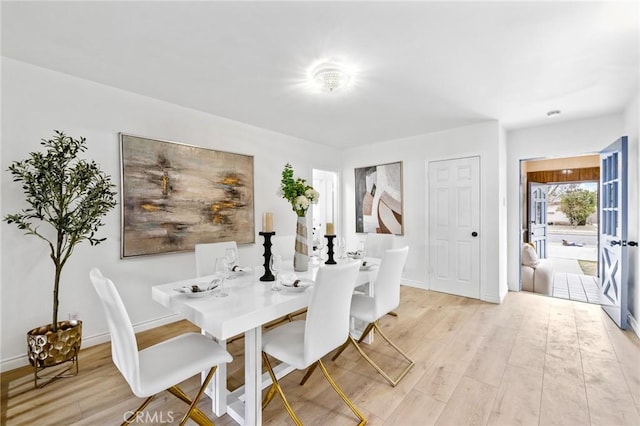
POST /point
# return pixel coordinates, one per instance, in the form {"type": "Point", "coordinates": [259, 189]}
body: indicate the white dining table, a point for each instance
{"type": "Point", "coordinates": [249, 305]}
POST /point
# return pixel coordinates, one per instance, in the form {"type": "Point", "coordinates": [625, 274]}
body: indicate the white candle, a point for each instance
{"type": "Point", "coordinates": [330, 230]}
{"type": "Point", "coordinates": [267, 222]}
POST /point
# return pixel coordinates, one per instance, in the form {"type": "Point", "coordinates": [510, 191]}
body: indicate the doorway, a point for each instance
{"type": "Point", "coordinates": [326, 182]}
{"type": "Point", "coordinates": [560, 219]}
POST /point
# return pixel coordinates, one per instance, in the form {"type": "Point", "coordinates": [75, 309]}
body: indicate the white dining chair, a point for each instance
{"type": "Point", "coordinates": [207, 253]}
{"type": "Point", "coordinates": [369, 309]}
{"type": "Point", "coordinates": [377, 244]}
{"type": "Point", "coordinates": [303, 343]}
{"type": "Point", "coordinates": [284, 245]}
{"type": "Point", "coordinates": [159, 367]}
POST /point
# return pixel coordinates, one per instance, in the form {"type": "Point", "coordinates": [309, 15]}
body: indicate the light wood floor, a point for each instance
{"type": "Point", "coordinates": [532, 360]}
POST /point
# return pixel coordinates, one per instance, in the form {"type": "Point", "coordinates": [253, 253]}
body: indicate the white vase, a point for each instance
{"type": "Point", "coordinates": [301, 255]}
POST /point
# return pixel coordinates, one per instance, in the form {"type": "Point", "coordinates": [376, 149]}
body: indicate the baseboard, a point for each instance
{"type": "Point", "coordinates": [414, 283]}
{"type": "Point", "coordinates": [491, 299]}
{"type": "Point", "coordinates": [87, 342]}
{"type": "Point", "coordinates": [634, 324]}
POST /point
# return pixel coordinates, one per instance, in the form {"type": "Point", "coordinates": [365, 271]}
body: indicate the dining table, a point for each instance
{"type": "Point", "coordinates": [248, 306]}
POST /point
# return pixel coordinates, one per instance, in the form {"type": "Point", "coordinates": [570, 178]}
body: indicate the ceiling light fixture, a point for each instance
{"type": "Point", "coordinates": [330, 77]}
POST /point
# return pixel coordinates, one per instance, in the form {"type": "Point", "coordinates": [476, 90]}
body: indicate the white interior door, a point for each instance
{"type": "Point", "coordinates": [454, 226]}
{"type": "Point", "coordinates": [538, 217]}
{"type": "Point", "coordinates": [613, 232]}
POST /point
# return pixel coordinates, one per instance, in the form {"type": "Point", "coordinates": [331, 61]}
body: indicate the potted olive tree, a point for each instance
{"type": "Point", "coordinates": [70, 196]}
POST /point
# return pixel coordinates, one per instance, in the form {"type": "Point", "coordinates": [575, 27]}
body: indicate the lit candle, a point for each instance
{"type": "Point", "coordinates": [330, 230]}
{"type": "Point", "coordinates": [267, 222]}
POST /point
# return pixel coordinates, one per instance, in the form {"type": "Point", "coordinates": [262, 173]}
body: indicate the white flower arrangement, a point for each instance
{"type": "Point", "coordinates": [297, 192]}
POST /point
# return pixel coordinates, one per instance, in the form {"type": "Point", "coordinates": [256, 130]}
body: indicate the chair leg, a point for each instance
{"type": "Point", "coordinates": [392, 382]}
{"type": "Point", "coordinates": [339, 391]}
{"type": "Point", "coordinates": [193, 412]}
{"type": "Point", "coordinates": [392, 313]}
{"type": "Point", "coordinates": [350, 340]}
{"type": "Point", "coordinates": [134, 416]}
{"type": "Point", "coordinates": [275, 388]}
{"type": "Point", "coordinates": [308, 374]}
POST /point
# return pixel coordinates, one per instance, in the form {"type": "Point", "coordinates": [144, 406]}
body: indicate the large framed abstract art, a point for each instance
{"type": "Point", "coordinates": [175, 196]}
{"type": "Point", "coordinates": [378, 192]}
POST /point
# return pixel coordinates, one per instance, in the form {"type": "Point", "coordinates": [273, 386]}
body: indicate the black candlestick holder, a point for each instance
{"type": "Point", "coordinates": [268, 276]}
{"type": "Point", "coordinates": [330, 239]}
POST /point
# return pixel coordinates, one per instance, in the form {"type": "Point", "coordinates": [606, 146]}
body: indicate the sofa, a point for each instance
{"type": "Point", "coordinates": [537, 274]}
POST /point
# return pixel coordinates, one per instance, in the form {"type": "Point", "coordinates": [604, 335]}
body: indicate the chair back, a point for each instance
{"type": "Point", "coordinates": [206, 255]}
{"type": "Point", "coordinates": [284, 245]}
{"type": "Point", "coordinates": [327, 323]}
{"type": "Point", "coordinates": [386, 288]}
{"type": "Point", "coordinates": [124, 348]}
{"type": "Point", "coordinates": [377, 244]}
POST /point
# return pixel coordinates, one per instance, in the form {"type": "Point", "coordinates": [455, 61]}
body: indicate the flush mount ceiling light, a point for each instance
{"type": "Point", "coordinates": [330, 77]}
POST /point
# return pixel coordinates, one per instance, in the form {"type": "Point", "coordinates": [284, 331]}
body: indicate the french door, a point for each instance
{"type": "Point", "coordinates": [613, 232]}
{"type": "Point", "coordinates": [538, 217]}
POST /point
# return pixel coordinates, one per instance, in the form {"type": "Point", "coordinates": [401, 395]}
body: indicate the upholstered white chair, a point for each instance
{"type": "Point", "coordinates": [386, 297]}
{"type": "Point", "coordinates": [284, 245]}
{"type": "Point", "coordinates": [377, 244]}
{"type": "Point", "coordinates": [206, 254]}
{"type": "Point", "coordinates": [303, 343]}
{"type": "Point", "coordinates": [537, 274]}
{"type": "Point", "coordinates": [162, 366]}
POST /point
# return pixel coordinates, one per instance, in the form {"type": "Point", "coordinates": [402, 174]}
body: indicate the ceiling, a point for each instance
{"type": "Point", "coordinates": [419, 67]}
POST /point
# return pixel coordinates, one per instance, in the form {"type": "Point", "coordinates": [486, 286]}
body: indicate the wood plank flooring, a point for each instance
{"type": "Point", "coordinates": [533, 360]}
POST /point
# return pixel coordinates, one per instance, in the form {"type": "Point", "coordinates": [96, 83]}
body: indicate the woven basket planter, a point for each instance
{"type": "Point", "coordinates": [47, 349]}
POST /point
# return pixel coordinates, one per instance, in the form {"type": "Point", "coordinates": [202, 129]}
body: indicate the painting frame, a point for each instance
{"type": "Point", "coordinates": [175, 195]}
{"type": "Point", "coordinates": [379, 203]}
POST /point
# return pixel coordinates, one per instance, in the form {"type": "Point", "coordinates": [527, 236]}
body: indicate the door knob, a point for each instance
{"type": "Point", "coordinates": [633, 243]}
{"type": "Point", "coordinates": [474, 234]}
{"type": "Point", "coordinates": [616, 243]}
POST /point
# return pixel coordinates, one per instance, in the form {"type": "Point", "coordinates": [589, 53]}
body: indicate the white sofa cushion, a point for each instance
{"type": "Point", "coordinates": [529, 256]}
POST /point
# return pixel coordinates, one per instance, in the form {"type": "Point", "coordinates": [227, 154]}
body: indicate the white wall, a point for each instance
{"type": "Point", "coordinates": [563, 139]}
{"type": "Point", "coordinates": [415, 152]}
{"type": "Point", "coordinates": [632, 129]}
{"type": "Point", "coordinates": [35, 101]}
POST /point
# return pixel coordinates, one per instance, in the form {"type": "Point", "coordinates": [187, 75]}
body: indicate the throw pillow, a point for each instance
{"type": "Point", "coordinates": [529, 256]}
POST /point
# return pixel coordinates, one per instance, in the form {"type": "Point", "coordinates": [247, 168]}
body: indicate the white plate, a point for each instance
{"type": "Point", "coordinates": [245, 271]}
{"type": "Point", "coordinates": [302, 286]}
{"type": "Point", "coordinates": [188, 289]}
{"type": "Point", "coordinates": [200, 294]}
{"type": "Point", "coordinates": [367, 266]}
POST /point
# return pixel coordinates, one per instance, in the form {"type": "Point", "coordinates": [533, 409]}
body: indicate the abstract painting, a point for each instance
{"type": "Point", "coordinates": [379, 199]}
{"type": "Point", "coordinates": [175, 196]}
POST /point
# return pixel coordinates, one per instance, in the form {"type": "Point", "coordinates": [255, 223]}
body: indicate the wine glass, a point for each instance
{"type": "Point", "coordinates": [231, 255]}
{"type": "Point", "coordinates": [342, 247]}
{"type": "Point", "coordinates": [362, 249]}
{"type": "Point", "coordinates": [221, 274]}
{"type": "Point", "coordinates": [275, 264]}
{"type": "Point", "coordinates": [321, 247]}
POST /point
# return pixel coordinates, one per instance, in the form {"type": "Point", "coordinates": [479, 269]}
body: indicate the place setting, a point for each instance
{"type": "Point", "coordinates": [292, 284]}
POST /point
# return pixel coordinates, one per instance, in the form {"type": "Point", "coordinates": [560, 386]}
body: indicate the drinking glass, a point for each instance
{"type": "Point", "coordinates": [362, 249]}
{"type": "Point", "coordinates": [342, 247]}
{"type": "Point", "coordinates": [221, 274]}
{"type": "Point", "coordinates": [231, 255]}
{"type": "Point", "coordinates": [321, 247]}
{"type": "Point", "coordinates": [276, 267]}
